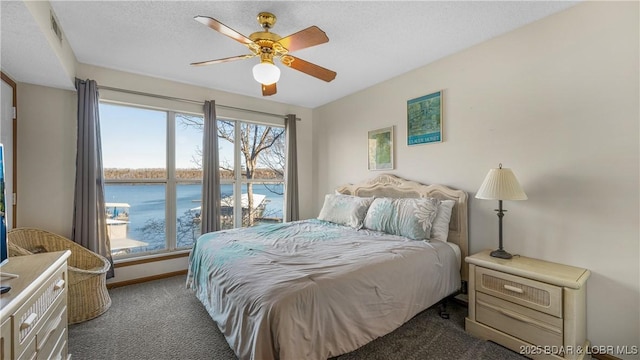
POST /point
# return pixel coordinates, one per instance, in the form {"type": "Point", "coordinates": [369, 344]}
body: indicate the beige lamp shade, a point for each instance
{"type": "Point", "coordinates": [501, 184]}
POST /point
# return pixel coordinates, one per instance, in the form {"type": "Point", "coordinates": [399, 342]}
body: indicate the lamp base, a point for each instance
{"type": "Point", "coordinates": [501, 254]}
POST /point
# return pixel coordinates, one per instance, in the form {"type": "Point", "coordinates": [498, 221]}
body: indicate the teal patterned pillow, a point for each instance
{"type": "Point", "coordinates": [345, 209]}
{"type": "Point", "coordinates": [411, 218]}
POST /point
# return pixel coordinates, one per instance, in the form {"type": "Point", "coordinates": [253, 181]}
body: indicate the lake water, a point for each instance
{"type": "Point", "coordinates": [147, 208]}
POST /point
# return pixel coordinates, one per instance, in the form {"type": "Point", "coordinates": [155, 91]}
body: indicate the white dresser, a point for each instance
{"type": "Point", "coordinates": [33, 315]}
{"type": "Point", "coordinates": [533, 307]}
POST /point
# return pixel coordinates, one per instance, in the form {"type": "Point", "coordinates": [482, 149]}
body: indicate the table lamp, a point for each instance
{"type": "Point", "coordinates": [500, 184]}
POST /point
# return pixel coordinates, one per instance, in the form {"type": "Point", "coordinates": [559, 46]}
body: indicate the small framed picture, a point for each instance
{"type": "Point", "coordinates": [424, 119]}
{"type": "Point", "coordinates": [381, 149]}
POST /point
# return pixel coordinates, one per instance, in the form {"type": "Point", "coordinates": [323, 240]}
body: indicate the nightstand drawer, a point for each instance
{"type": "Point", "coordinates": [526, 292]}
{"type": "Point", "coordinates": [529, 325]}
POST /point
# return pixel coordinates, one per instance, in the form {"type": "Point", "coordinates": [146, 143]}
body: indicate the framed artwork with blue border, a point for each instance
{"type": "Point", "coordinates": [424, 119]}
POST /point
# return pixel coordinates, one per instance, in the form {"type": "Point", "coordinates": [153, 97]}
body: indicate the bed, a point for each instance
{"type": "Point", "coordinates": [315, 289]}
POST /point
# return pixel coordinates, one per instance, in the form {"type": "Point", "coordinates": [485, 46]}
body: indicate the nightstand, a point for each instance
{"type": "Point", "coordinates": [534, 307]}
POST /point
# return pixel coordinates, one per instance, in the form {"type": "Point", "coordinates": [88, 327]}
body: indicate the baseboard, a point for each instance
{"type": "Point", "coordinates": [145, 279]}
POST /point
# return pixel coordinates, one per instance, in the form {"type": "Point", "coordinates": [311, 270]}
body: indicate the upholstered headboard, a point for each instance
{"type": "Point", "coordinates": [387, 185]}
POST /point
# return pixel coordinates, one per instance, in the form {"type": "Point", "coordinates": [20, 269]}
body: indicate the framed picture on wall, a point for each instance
{"type": "Point", "coordinates": [380, 148]}
{"type": "Point", "coordinates": [424, 119]}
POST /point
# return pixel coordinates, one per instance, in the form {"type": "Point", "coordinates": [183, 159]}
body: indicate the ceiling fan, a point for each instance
{"type": "Point", "coordinates": [269, 45]}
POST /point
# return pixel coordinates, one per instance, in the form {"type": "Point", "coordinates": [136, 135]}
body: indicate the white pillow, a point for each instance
{"type": "Point", "coordinates": [408, 217]}
{"type": "Point", "coordinates": [345, 209]}
{"type": "Point", "coordinates": [440, 225]}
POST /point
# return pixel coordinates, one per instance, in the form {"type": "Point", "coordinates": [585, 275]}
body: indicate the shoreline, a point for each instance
{"type": "Point", "coordinates": [182, 174]}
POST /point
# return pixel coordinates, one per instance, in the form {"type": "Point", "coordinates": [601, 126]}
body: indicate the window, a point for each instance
{"type": "Point", "coordinates": [134, 155]}
{"type": "Point", "coordinates": [153, 176]}
{"type": "Point", "coordinates": [188, 175]}
{"type": "Point", "coordinates": [258, 183]}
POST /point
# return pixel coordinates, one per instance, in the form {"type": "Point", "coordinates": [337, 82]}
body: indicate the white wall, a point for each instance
{"type": "Point", "coordinates": [558, 102]}
{"type": "Point", "coordinates": [6, 138]}
{"type": "Point", "coordinates": [46, 156]}
{"type": "Point", "coordinates": [47, 142]}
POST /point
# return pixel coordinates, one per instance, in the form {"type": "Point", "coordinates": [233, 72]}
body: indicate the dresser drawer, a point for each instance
{"type": "Point", "coordinates": [526, 292]}
{"type": "Point", "coordinates": [524, 323]}
{"type": "Point", "coordinates": [29, 349]}
{"type": "Point", "coordinates": [5, 339]}
{"type": "Point", "coordinates": [28, 319]}
{"type": "Point", "coordinates": [54, 348]}
{"type": "Point", "coordinates": [60, 351]}
{"type": "Point", "coordinates": [48, 335]}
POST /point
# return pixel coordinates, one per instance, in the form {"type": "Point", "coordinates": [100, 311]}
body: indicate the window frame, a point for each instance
{"type": "Point", "coordinates": [171, 182]}
{"type": "Point", "coordinates": [238, 181]}
{"type": "Point", "coordinates": [169, 245]}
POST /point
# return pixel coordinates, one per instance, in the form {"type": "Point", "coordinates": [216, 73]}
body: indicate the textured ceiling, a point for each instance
{"type": "Point", "coordinates": [370, 41]}
{"type": "Point", "coordinates": [26, 55]}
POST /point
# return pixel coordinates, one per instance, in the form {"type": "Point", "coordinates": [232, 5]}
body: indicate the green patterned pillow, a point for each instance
{"type": "Point", "coordinates": [345, 209]}
{"type": "Point", "coordinates": [411, 218]}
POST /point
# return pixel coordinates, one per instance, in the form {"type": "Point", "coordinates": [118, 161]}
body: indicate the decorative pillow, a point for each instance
{"type": "Point", "coordinates": [345, 209]}
{"type": "Point", "coordinates": [411, 218]}
{"type": "Point", "coordinates": [440, 226]}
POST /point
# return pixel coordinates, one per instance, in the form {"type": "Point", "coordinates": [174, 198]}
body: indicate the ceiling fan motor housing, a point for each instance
{"type": "Point", "coordinates": [266, 20]}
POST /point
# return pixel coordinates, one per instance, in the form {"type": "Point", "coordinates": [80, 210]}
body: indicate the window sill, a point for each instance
{"type": "Point", "coordinates": [143, 259]}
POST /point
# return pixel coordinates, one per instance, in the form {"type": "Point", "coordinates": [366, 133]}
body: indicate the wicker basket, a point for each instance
{"type": "Point", "coordinates": [88, 297]}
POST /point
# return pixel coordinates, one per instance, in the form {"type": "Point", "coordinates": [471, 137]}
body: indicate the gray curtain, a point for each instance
{"type": "Point", "coordinates": [291, 170]}
{"type": "Point", "coordinates": [89, 214]}
{"type": "Point", "coordinates": [210, 210]}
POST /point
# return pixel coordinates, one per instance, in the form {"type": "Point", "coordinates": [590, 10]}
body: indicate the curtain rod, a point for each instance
{"type": "Point", "coordinates": [191, 101]}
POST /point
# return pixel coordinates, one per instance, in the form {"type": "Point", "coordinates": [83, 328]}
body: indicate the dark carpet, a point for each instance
{"type": "Point", "coordinates": [163, 320]}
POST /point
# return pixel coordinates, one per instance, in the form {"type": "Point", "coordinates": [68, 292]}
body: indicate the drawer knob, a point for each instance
{"type": "Point", "coordinates": [58, 285]}
{"type": "Point", "coordinates": [28, 322]}
{"type": "Point", "coordinates": [513, 288]}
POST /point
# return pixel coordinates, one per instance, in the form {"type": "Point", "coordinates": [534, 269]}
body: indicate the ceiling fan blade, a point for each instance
{"type": "Point", "coordinates": [268, 90]}
{"type": "Point", "coordinates": [308, 37]}
{"type": "Point", "coordinates": [223, 29]}
{"type": "Point", "coordinates": [311, 69]}
{"type": "Point", "coordinates": [233, 58]}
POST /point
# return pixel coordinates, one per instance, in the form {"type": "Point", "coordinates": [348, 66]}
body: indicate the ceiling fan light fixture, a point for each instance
{"type": "Point", "coordinates": [266, 73]}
